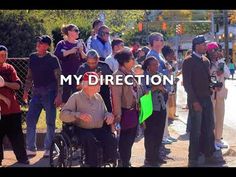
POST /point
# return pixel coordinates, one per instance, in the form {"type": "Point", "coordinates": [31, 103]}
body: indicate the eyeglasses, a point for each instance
{"type": "Point", "coordinates": [216, 50]}
{"type": "Point", "coordinates": [107, 33]}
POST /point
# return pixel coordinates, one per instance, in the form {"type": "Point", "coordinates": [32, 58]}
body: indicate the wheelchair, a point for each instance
{"type": "Point", "coordinates": [66, 149]}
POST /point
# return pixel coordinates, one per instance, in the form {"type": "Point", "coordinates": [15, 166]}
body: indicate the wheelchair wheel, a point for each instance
{"type": "Point", "coordinates": [60, 151]}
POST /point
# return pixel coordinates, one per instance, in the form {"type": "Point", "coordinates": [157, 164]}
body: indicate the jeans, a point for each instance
{"type": "Point", "coordinates": [38, 102]}
{"type": "Point", "coordinates": [153, 134]}
{"type": "Point", "coordinates": [201, 130]}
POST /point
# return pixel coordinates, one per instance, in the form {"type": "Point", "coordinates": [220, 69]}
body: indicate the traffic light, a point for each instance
{"type": "Point", "coordinates": [160, 18]}
{"type": "Point", "coordinates": [179, 29]}
{"type": "Point", "coordinates": [140, 26]}
{"type": "Point", "coordinates": [164, 26]}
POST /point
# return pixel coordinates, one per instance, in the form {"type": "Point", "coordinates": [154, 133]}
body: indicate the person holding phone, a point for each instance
{"type": "Point", "coordinates": [102, 43]}
{"type": "Point", "coordinates": [71, 53]}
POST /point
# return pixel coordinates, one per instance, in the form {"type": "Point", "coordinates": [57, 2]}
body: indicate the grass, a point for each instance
{"type": "Point", "coordinates": [42, 120]}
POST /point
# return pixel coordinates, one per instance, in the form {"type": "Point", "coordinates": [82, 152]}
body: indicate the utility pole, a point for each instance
{"type": "Point", "coordinates": [226, 36]}
{"type": "Point", "coordinates": [212, 24]}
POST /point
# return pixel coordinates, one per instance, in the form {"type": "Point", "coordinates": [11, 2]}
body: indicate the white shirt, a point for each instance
{"type": "Point", "coordinates": [197, 54]}
{"type": "Point", "coordinates": [112, 62]}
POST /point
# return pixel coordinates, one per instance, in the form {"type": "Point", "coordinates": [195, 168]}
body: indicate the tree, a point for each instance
{"type": "Point", "coordinates": [185, 17]}
{"type": "Point", "coordinates": [18, 32]}
{"type": "Point", "coordinates": [232, 17]}
{"type": "Point", "coordinates": [124, 22]}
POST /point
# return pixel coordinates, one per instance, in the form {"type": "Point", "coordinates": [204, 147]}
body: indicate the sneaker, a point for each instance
{"type": "Point", "coordinates": [213, 160]}
{"type": "Point", "coordinates": [171, 139]}
{"type": "Point", "coordinates": [166, 141]}
{"type": "Point", "coordinates": [46, 154]}
{"type": "Point", "coordinates": [221, 144]}
{"type": "Point", "coordinates": [217, 148]}
{"type": "Point", "coordinates": [31, 153]}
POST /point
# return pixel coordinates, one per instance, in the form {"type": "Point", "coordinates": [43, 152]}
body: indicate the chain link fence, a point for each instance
{"type": "Point", "coordinates": [21, 67]}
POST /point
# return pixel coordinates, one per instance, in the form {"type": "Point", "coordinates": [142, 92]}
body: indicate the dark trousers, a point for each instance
{"type": "Point", "coordinates": [153, 134]}
{"type": "Point", "coordinates": [92, 139]}
{"type": "Point", "coordinates": [201, 130]}
{"type": "Point", "coordinates": [10, 125]}
{"type": "Point", "coordinates": [126, 142]}
{"type": "Point", "coordinates": [106, 96]}
{"type": "Point", "coordinates": [68, 90]}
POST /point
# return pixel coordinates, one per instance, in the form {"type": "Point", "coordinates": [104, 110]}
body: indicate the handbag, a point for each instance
{"type": "Point", "coordinates": [129, 118]}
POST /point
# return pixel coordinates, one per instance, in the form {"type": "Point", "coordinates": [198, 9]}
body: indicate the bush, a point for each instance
{"type": "Point", "coordinates": [57, 36]}
{"type": "Point", "coordinates": [18, 32]}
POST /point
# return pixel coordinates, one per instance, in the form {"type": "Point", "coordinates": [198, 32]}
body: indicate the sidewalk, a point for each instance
{"type": "Point", "coordinates": [178, 156]}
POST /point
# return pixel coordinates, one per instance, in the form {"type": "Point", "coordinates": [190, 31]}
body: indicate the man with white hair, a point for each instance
{"type": "Point", "coordinates": [87, 110]}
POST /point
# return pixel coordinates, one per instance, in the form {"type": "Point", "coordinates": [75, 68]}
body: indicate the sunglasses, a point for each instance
{"type": "Point", "coordinates": [75, 30]}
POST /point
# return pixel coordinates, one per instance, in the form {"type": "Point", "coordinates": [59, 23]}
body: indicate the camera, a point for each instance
{"type": "Point", "coordinates": [214, 83]}
{"type": "Point", "coordinates": [79, 43]}
{"type": "Point", "coordinates": [221, 67]}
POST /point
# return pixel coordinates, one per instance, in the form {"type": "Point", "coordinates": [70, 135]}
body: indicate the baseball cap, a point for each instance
{"type": "Point", "coordinates": [212, 45]}
{"type": "Point", "coordinates": [199, 40]}
{"type": "Point", "coordinates": [44, 39]}
{"type": "Point", "coordinates": [87, 74]}
{"type": "Point", "coordinates": [3, 48]}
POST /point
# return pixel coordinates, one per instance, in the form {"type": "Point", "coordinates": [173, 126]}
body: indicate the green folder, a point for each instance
{"type": "Point", "coordinates": [146, 107]}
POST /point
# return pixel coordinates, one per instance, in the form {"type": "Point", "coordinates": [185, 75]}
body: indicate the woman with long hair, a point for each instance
{"type": "Point", "coordinates": [71, 53]}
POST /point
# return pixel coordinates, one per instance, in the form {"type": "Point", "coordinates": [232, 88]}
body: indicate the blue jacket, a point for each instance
{"type": "Point", "coordinates": [103, 49]}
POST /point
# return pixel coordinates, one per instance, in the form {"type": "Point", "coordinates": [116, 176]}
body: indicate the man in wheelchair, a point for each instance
{"type": "Point", "coordinates": [86, 109]}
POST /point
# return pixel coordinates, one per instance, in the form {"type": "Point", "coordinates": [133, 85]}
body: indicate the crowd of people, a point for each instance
{"type": "Point", "coordinates": [98, 111]}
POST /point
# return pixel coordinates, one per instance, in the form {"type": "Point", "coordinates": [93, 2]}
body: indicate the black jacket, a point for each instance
{"type": "Point", "coordinates": [196, 78]}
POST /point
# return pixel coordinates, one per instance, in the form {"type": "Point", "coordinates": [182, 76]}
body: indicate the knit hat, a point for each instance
{"type": "Point", "coordinates": [87, 75]}
{"type": "Point", "coordinates": [211, 46]}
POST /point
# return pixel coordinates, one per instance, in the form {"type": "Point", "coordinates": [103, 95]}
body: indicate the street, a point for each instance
{"type": "Point", "coordinates": [230, 113]}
